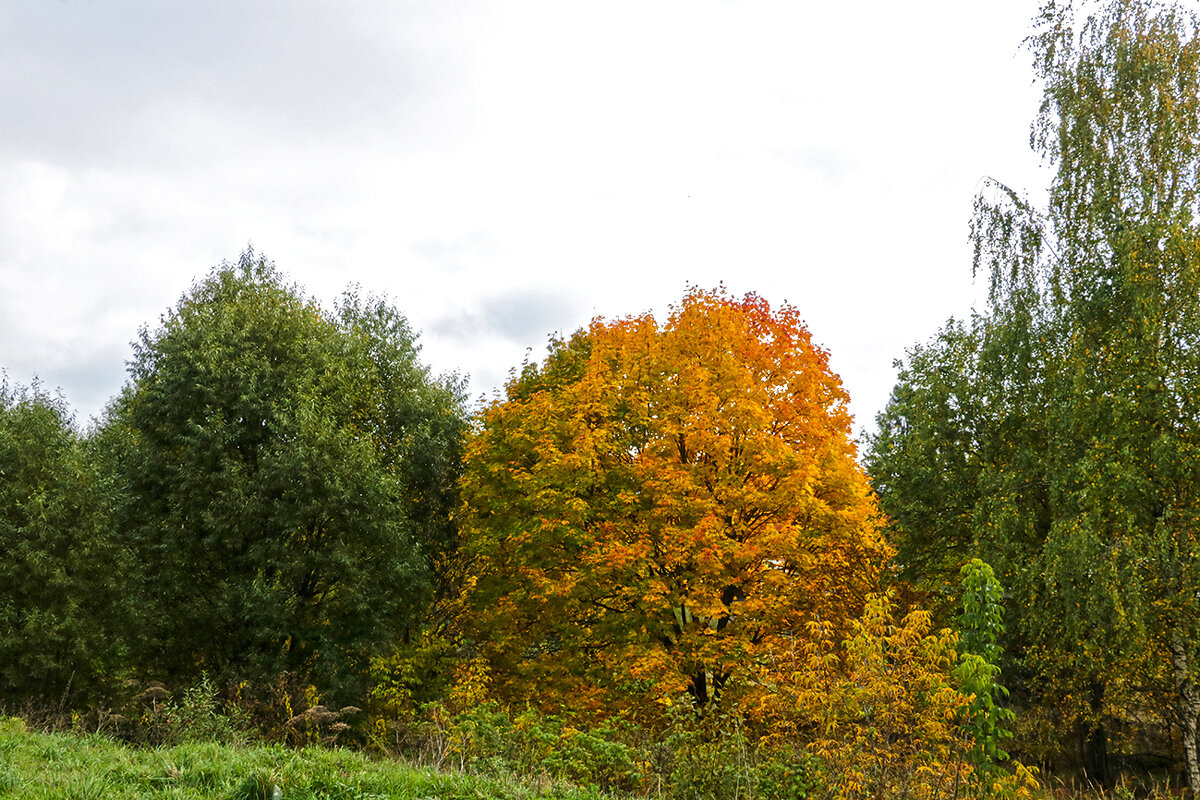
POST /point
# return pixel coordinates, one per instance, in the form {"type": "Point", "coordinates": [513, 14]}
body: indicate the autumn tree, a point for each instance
{"type": "Point", "coordinates": [656, 509]}
{"type": "Point", "coordinates": [1077, 429]}
{"type": "Point", "coordinates": [289, 476]}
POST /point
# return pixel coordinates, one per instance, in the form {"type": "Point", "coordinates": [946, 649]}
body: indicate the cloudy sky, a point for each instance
{"type": "Point", "coordinates": [502, 170]}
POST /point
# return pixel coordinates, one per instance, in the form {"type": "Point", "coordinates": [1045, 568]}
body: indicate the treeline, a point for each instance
{"type": "Point", "coordinates": [271, 494]}
{"type": "Point", "coordinates": [661, 532]}
{"type": "Point", "coordinates": [661, 527]}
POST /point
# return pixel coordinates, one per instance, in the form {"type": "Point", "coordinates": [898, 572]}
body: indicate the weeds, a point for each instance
{"type": "Point", "coordinates": [484, 752]}
{"type": "Point", "coordinates": [197, 714]}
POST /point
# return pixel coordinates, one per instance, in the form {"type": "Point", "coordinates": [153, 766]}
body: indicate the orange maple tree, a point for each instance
{"type": "Point", "coordinates": [657, 510]}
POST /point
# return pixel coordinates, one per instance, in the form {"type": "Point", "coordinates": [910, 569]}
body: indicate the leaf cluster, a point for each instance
{"type": "Point", "coordinates": [59, 599]}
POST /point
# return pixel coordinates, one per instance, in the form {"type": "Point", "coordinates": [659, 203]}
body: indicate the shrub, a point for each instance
{"type": "Point", "coordinates": [198, 714]}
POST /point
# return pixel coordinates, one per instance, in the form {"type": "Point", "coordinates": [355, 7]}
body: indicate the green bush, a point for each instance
{"type": "Point", "coordinates": [595, 758]}
{"type": "Point", "coordinates": [198, 715]}
{"type": "Point", "coordinates": [480, 741]}
{"type": "Point", "coordinates": [789, 776]}
{"type": "Point", "coordinates": [487, 741]}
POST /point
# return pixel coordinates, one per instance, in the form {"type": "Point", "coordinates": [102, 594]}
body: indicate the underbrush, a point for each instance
{"type": "Point", "coordinates": [200, 743]}
{"type": "Point", "coordinates": [481, 753]}
{"type": "Point", "coordinates": [693, 759]}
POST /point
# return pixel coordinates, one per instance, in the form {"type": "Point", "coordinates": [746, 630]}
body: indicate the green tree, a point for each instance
{"type": "Point", "coordinates": [981, 624]}
{"type": "Point", "coordinates": [418, 424]}
{"type": "Point", "coordinates": [926, 457]}
{"type": "Point", "coordinates": [1084, 495]}
{"type": "Point", "coordinates": [59, 640]}
{"type": "Point", "coordinates": [289, 474]}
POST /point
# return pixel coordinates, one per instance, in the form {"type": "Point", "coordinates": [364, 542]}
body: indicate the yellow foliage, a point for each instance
{"type": "Point", "coordinates": [883, 712]}
{"type": "Point", "coordinates": [660, 509]}
{"type": "Point", "coordinates": [472, 678]}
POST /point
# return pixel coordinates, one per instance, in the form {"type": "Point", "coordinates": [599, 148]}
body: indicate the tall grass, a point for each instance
{"type": "Point", "coordinates": [65, 766]}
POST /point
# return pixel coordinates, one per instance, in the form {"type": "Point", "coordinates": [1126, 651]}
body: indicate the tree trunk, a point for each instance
{"type": "Point", "coordinates": [1093, 739]}
{"type": "Point", "coordinates": [698, 688]}
{"type": "Point", "coordinates": [1188, 697]}
{"type": "Point", "coordinates": [1093, 752]}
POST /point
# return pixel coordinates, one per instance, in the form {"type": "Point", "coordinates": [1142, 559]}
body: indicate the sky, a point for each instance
{"type": "Point", "coordinates": [502, 171]}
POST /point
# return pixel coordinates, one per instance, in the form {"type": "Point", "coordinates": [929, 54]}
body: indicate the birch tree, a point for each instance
{"type": "Point", "coordinates": [1084, 409]}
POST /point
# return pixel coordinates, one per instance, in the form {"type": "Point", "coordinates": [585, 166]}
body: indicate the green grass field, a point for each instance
{"type": "Point", "coordinates": [41, 766]}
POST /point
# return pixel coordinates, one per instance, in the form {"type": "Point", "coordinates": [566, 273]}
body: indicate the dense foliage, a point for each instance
{"type": "Point", "coordinates": [662, 551]}
{"type": "Point", "coordinates": [287, 477]}
{"type": "Point", "coordinates": [1056, 436]}
{"type": "Point", "coordinates": [657, 510]}
{"type": "Point", "coordinates": [59, 598]}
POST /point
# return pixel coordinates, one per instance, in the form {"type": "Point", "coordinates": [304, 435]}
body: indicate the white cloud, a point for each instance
{"type": "Point", "coordinates": [469, 158]}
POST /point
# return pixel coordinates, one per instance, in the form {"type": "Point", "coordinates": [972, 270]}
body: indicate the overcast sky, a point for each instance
{"type": "Point", "coordinates": [502, 170]}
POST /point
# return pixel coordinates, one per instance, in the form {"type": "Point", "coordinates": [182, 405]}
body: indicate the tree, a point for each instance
{"type": "Point", "coordinates": [59, 638]}
{"type": "Point", "coordinates": [926, 460]}
{"type": "Point", "coordinates": [1084, 388]}
{"type": "Point", "coordinates": [417, 423]}
{"type": "Point", "coordinates": [981, 623]}
{"type": "Point", "coordinates": [289, 474]}
{"type": "Point", "coordinates": [654, 510]}
{"type": "Point", "coordinates": [888, 714]}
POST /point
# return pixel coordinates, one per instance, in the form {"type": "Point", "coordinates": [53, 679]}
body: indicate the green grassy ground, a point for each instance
{"type": "Point", "coordinates": [40, 766]}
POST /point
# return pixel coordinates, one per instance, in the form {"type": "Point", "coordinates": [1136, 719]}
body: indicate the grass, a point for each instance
{"type": "Point", "coordinates": [66, 766]}
{"type": "Point", "coordinates": [46, 766]}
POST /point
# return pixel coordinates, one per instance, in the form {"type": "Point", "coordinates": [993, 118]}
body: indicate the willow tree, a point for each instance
{"type": "Point", "coordinates": [1083, 388]}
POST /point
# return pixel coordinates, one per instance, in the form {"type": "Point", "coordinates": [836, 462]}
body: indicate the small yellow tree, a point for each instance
{"type": "Point", "coordinates": [886, 713]}
{"type": "Point", "coordinates": [888, 717]}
